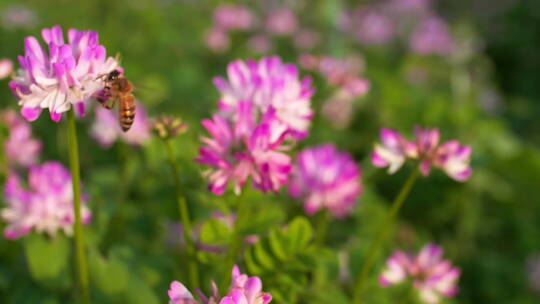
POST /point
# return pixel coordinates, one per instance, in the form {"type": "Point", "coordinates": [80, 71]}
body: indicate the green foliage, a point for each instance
{"type": "Point", "coordinates": [48, 259]}
{"type": "Point", "coordinates": [284, 259]}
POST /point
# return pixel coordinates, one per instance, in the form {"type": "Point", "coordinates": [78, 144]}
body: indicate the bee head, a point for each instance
{"type": "Point", "coordinates": [113, 75]}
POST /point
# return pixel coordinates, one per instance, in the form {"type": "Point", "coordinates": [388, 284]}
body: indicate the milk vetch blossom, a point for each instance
{"type": "Point", "coordinates": [64, 75]}
{"type": "Point", "coordinates": [326, 178]}
{"type": "Point", "coordinates": [269, 83]}
{"type": "Point", "coordinates": [245, 147]}
{"type": "Point", "coordinates": [432, 276]}
{"type": "Point", "coordinates": [243, 290]}
{"type": "Point", "coordinates": [106, 129]}
{"type": "Point", "coordinates": [20, 147]}
{"type": "Point", "coordinates": [46, 206]}
{"type": "Point", "coordinates": [451, 156]}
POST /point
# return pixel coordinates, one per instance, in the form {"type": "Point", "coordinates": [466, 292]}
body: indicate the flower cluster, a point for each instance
{"type": "Point", "coordinates": [277, 21]}
{"type": "Point", "coordinates": [386, 21]}
{"type": "Point", "coordinates": [432, 276]}
{"type": "Point", "coordinates": [243, 290]}
{"type": "Point", "coordinates": [241, 149]}
{"type": "Point", "coordinates": [227, 18]}
{"type": "Point", "coordinates": [65, 76]}
{"type": "Point", "coordinates": [326, 178]}
{"type": "Point", "coordinates": [432, 37]}
{"type": "Point", "coordinates": [106, 129]}
{"type": "Point", "coordinates": [262, 104]}
{"type": "Point", "coordinates": [344, 75]}
{"type": "Point", "coordinates": [269, 83]}
{"type": "Point", "coordinates": [20, 147]}
{"type": "Point", "coordinates": [451, 156]}
{"type": "Point", "coordinates": [47, 204]}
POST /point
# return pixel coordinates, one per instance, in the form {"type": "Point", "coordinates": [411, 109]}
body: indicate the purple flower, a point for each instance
{"type": "Point", "coordinates": [241, 148]}
{"type": "Point", "coordinates": [20, 148]}
{"type": "Point", "coordinates": [432, 276]}
{"type": "Point", "coordinates": [6, 67]}
{"type": "Point", "coordinates": [18, 16]}
{"type": "Point", "coordinates": [326, 178]}
{"type": "Point", "coordinates": [307, 39]}
{"type": "Point", "coordinates": [217, 40]}
{"type": "Point", "coordinates": [269, 83]}
{"type": "Point", "coordinates": [340, 72]}
{"type": "Point", "coordinates": [67, 75]}
{"type": "Point", "coordinates": [179, 294]}
{"type": "Point", "coordinates": [46, 206]}
{"type": "Point", "coordinates": [106, 129]}
{"type": "Point", "coordinates": [451, 156]}
{"type": "Point", "coordinates": [243, 290]}
{"type": "Point", "coordinates": [432, 37]}
{"type": "Point", "coordinates": [393, 151]}
{"type": "Point", "coordinates": [374, 27]}
{"type": "Point", "coordinates": [233, 17]}
{"type": "Point", "coordinates": [282, 21]}
{"type": "Point", "coordinates": [260, 43]}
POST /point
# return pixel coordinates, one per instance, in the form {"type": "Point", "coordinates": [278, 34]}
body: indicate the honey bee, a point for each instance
{"type": "Point", "coordinates": [118, 89]}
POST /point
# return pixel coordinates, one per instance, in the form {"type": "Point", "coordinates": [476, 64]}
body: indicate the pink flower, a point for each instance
{"type": "Point", "coordinates": [432, 37]}
{"type": "Point", "coordinates": [20, 148]}
{"type": "Point", "coordinates": [326, 178]}
{"type": "Point", "coordinates": [67, 75]}
{"type": "Point", "coordinates": [451, 156]}
{"type": "Point", "coordinates": [245, 290]}
{"type": "Point", "coordinates": [432, 276]}
{"type": "Point", "coordinates": [307, 39]}
{"type": "Point", "coordinates": [241, 148]}
{"type": "Point", "coordinates": [18, 16]}
{"type": "Point", "coordinates": [374, 27]}
{"type": "Point", "coordinates": [260, 43]}
{"type": "Point", "coordinates": [268, 83]}
{"type": "Point", "coordinates": [6, 67]}
{"type": "Point", "coordinates": [106, 129]}
{"type": "Point", "coordinates": [46, 206]}
{"type": "Point", "coordinates": [217, 40]}
{"type": "Point", "coordinates": [233, 17]}
{"type": "Point", "coordinates": [179, 294]}
{"type": "Point", "coordinates": [282, 22]}
{"type": "Point", "coordinates": [393, 152]}
{"type": "Point", "coordinates": [340, 72]}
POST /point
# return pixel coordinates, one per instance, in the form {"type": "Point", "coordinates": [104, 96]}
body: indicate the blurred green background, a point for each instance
{"type": "Point", "coordinates": [485, 93]}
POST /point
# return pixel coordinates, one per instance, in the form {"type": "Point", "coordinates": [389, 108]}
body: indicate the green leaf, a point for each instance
{"type": "Point", "coordinates": [276, 241]}
{"type": "Point", "coordinates": [109, 276]}
{"type": "Point", "coordinates": [140, 293]}
{"type": "Point", "coordinates": [299, 233]}
{"type": "Point", "coordinates": [263, 256]}
{"type": "Point", "coordinates": [47, 258]}
{"type": "Point", "coordinates": [215, 232]}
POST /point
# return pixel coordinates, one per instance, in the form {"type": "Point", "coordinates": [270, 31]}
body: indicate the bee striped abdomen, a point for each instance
{"type": "Point", "coordinates": [126, 111]}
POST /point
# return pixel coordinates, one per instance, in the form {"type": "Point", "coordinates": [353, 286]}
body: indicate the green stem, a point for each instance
{"type": "Point", "coordinates": [184, 217]}
{"type": "Point", "coordinates": [236, 243]}
{"type": "Point", "coordinates": [322, 222]}
{"type": "Point", "coordinates": [82, 268]}
{"type": "Point", "coordinates": [383, 232]}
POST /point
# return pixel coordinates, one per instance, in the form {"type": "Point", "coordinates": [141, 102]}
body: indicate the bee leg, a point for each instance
{"type": "Point", "coordinates": [104, 98]}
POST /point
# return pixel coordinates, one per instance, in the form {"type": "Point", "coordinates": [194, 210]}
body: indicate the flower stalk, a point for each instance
{"type": "Point", "coordinates": [383, 233]}
{"type": "Point", "coordinates": [242, 209]}
{"type": "Point", "coordinates": [82, 268]}
{"type": "Point", "coordinates": [184, 217]}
